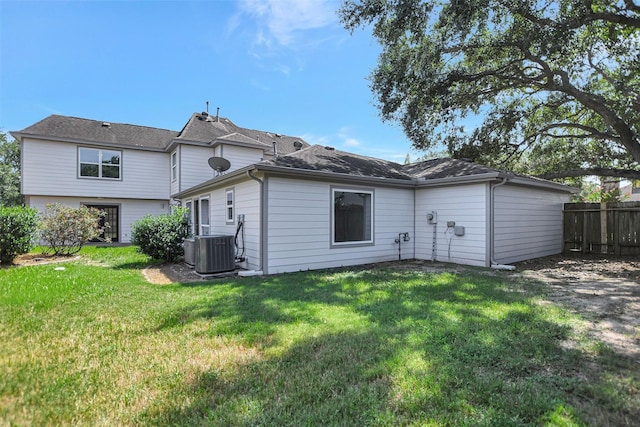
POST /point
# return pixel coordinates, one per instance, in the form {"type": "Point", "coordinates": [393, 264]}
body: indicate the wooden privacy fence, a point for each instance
{"type": "Point", "coordinates": [608, 228]}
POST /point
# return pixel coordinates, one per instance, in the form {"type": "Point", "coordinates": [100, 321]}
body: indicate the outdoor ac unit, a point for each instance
{"type": "Point", "coordinates": [189, 251]}
{"type": "Point", "coordinates": [214, 254]}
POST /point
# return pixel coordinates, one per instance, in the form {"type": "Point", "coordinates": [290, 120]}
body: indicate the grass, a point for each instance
{"type": "Point", "coordinates": [94, 344]}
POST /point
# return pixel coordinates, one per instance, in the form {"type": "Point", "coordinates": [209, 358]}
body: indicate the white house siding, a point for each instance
{"type": "Point", "coordinates": [299, 230]}
{"type": "Point", "coordinates": [528, 223]}
{"type": "Point", "coordinates": [194, 165]}
{"type": "Point", "coordinates": [130, 210]}
{"type": "Point", "coordinates": [464, 204]}
{"type": "Point", "coordinates": [51, 168]}
{"type": "Point", "coordinates": [240, 157]}
{"type": "Point", "coordinates": [246, 202]}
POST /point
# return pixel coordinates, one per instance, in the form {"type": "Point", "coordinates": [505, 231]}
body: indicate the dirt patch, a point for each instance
{"type": "Point", "coordinates": [165, 274]}
{"type": "Point", "coordinates": [39, 259]}
{"type": "Point", "coordinates": [604, 290]}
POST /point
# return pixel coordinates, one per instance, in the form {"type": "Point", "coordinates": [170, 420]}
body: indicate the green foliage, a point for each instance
{"type": "Point", "coordinates": [65, 229]}
{"type": "Point", "coordinates": [9, 172]}
{"type": "Point", "coordinates": [594, 193]}
{"type": "Point", "coordinates": [541, 86]}
{"type": "Point", "coordinates": [18, 227]}
{"type": "Point", "coordinates": [161, 237]}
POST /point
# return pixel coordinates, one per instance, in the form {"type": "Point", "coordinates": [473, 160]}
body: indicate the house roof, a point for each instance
{"type": "Point", "coordinates": [65, 128]}
{"type": "Point", "coordinates": [201, 128]}
{"type": "Point", "coordinates": [446, 168]}
{"type": "Point", "coordinates": [320, 162]}
{"type": "Point", "coordinates": [207, 129]}
{"type": "Point", "coordinates": [327, 159]}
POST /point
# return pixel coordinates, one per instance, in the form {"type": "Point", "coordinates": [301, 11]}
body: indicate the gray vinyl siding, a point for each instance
{"type": "Point", "coordinates": [130, 210]}
{"type": "Point", "coordinates": [194, 166]}
{"type": "Point", "coordinates": [51, 169]}
{"type": "Point", "coordinates": [527, 223]}
{"type": "Point", "coordinates": [299, 230]}
{"type": "Point", "coordinates": [464, 204]}
{"type": "Point", "coordinates": [246, 201]}
{"type": "Point", "coordinates": [240, 157]}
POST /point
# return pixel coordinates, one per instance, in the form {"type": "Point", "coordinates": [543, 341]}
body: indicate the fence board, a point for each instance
{"type": "Point", "coordinates": [609, 228]}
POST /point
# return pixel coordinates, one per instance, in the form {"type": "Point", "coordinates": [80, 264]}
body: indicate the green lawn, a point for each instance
{"type": "Point", "coordinates": [94, 344]}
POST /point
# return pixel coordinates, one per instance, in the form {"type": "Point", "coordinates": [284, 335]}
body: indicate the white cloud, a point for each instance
{"type": "Point", "coordinates": [280, 21]}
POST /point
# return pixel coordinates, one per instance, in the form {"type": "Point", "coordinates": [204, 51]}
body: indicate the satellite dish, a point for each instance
{"type": "Point", "coordinates": [219, 164]}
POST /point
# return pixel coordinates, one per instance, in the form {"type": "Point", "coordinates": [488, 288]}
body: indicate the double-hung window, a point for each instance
{"type": "Point", "coordinates": [174, 166]}
{"type": "Point", "coordinates": [352, 216]}
{"type": "Point", "coordinates": [229, 206]}
{"type": "Point", "coordinates": [97, 163]}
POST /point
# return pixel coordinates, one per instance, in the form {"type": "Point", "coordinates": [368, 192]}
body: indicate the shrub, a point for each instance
{"type": "Point", "coordinates": [161, 237]}
{"type": "Point", "coordinates": [18, 227]}
{"type": "Point", "coordinates": [65, 229]}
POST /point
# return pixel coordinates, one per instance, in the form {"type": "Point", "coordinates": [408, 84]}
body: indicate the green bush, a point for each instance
{"type": "Point", "coordinates": [161, 237]}
{"type": "Point", "coordinates": [18, 227]}
{"type": "Point", "coordinates": [65, 229]}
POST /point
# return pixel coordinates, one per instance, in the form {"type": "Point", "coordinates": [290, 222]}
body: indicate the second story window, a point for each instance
{"type": "Point", "coordinates": [174, 166]}
{"type": "Point", "coordinates": [96, 163]}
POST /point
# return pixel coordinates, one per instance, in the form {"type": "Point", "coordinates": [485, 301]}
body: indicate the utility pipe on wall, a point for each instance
{"type": "Point", "coordinates": [262, 222]}
{"type": "Point", "coordinates": [492, 231]}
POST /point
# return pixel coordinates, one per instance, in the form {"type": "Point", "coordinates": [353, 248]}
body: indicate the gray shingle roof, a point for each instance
{"type": "Point", "coordinates": [207, 129]}
{"type": "Point", "coordinates": [87, 130]}
{"type": "Point", "coordinates": [446, 168]}
{"type": "Point", "coordinates": [326, 159]}
{"type": "Point", "coordinates": [199, 128]}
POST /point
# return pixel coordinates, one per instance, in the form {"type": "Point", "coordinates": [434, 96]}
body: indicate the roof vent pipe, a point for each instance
{"type": "Point", "coordinates": [275, 149]}
{"type": "Point", "coordinates": [297, 145]}
{"type": "Point", "coordinates": [217, 114]}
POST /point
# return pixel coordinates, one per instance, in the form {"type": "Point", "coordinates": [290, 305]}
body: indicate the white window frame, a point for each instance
{"type": "Point", "coordinates": [189, 205]}
{"type": "Point", "coordinates": [229, 208]}
{"type": "Point", "coordinates": [174, 166]}
{"type": "Point", "coordinates": [99, 164]}
{"type": "Point", "coordinates": [370, 220]}
{"type": "Point", "coordinates": [205, 228]}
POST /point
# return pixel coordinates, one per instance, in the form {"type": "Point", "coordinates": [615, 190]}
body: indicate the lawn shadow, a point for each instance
{"type": "Point", "coordinates": [382, 347]}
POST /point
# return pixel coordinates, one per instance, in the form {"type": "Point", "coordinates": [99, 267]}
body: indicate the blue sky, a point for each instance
{"type": "Point", "coordinates": [285, 66]}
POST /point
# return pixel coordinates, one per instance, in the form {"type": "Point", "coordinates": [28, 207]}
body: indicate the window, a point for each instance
{"type": "Point", "coordinates": [189, 206]}
{"type": "Point", "coordinates": [204, 217]}
{"type": "Point", "coordinates": [352, 216]}
{"type": "Point", "coordinates": [96, 163]}
{"type": "Point", "coordinates": [174, 166]}
{"type": "Point", "coordinates": [229, 205]}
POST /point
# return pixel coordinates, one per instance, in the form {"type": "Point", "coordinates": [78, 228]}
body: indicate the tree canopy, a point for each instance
{"type": "Point", "coordinates": [9, 172]}
{"type": "Point", "coordinates": [549, 87]}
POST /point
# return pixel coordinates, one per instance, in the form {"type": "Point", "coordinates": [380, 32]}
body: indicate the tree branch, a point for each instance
{"type": "Point", "coordinates": [618, 173]}
{"type": "Point", "coordinates": [592, 132]}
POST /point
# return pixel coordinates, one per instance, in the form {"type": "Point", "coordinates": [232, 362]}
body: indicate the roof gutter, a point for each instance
{"type": "Point", "coordinates": [467, 179]}
{"type": "Point", "coordinates": [20, 136]}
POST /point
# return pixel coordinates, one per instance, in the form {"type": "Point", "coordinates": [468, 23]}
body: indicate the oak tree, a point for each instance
{"type": "Point", "coordinates": [549, 87]}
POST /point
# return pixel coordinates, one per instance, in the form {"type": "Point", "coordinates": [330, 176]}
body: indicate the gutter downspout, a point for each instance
{"type": "Point", "coordinates": [260, 270]}
{"type": "Point", "coordinates": [493, 262]}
